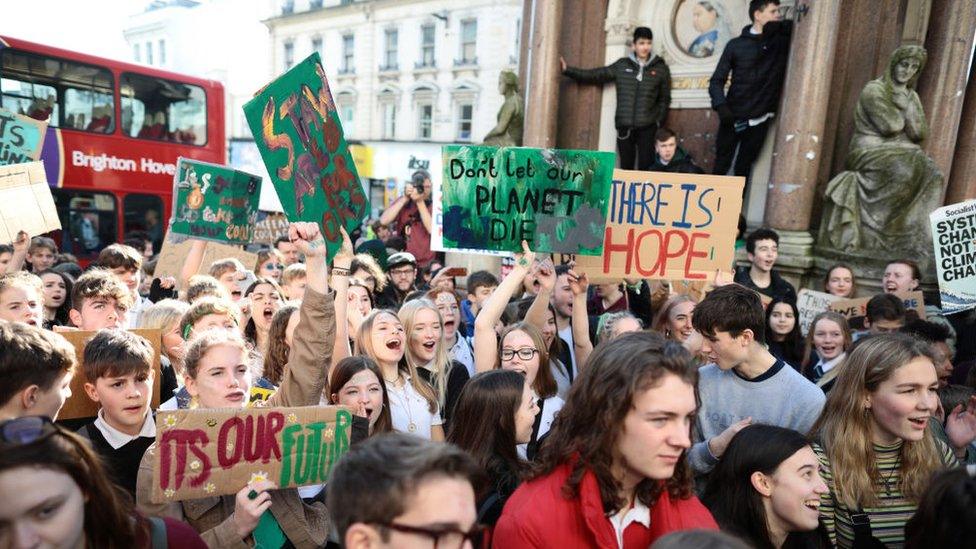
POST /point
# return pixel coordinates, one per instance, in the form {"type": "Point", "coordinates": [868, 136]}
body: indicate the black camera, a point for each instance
{"type": "Point", "coordinates": [417, 180]}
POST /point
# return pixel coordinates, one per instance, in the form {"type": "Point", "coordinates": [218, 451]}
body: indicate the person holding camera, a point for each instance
{"type": "Point", "coordinates": [411, 213]}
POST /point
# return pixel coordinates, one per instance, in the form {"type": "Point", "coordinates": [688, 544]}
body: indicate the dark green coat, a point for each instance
{"type": "Point", "coordinates": [640, 102]}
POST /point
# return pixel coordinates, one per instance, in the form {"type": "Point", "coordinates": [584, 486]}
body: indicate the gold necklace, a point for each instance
{"type": "Point", "coordinates": [403, 400]}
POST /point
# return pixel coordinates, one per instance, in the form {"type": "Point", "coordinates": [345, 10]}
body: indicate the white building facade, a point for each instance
{"type": "Point", "coordinates": [408, 76]}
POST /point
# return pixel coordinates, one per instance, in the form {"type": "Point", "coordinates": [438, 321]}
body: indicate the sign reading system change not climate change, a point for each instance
{"type": "Point", "coordinates": [954, 233]}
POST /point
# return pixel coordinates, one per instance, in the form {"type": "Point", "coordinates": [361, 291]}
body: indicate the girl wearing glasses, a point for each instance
{"type": "Point", "coordinates": [270, 264]}
{"type": "Point", "coordinates": [413, 402]}
{"type": "Point", "coordinates": [218, 376]}
{"type": "Point", "coordinates": [56, 493]}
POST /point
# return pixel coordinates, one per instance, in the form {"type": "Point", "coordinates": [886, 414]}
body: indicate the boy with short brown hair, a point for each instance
{"type": "Point", "coordinates": [293, 281]}
{"type": "Point", "coordinates": [99, 300]}
{"type": "Point", "coordinates": [125, 262]}
{"type": "Point", "coordinates": [36, 366]}
{"type": "Point", "coordinates": [119, 376]}
{"type": "Point", "coordinates": [42, 253]}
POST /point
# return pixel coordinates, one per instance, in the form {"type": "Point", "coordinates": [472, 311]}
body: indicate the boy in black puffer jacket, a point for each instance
{"type": "Point", "coordinates": [643, 97]}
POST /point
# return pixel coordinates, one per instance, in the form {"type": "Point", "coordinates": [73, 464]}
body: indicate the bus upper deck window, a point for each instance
{"type": "Point", "coordinates": [154, 108]}
{"type": "Point", "coordinates": [65, 93]}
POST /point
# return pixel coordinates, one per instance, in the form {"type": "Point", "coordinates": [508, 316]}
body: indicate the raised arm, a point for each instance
{"type": "Point", "coordinates": [579, 284]}
{"type": "Point", "coordinates": [340, 283]}
{"type": "Point", "coordinates": [311, 350]}
{"type": "Point", "coordinates": [191, 264]}
{"type": "Point", "coordinates": [545, 273]}
{"type": "Point", "coordinates": [390, 214]}
{"type": "Point", "coordinates": [485, 340]}
{"type": "Point", "coordinates": [19, 256]}
{"type": "Point", "coordinates": [599, 75]}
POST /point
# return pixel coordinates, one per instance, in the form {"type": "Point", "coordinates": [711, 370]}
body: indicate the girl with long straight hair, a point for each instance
{"type": "Point", "coordinates": [264, 296]}
{"type": "Point", "coordinates": [414, 406]}
{"type": "Point", "coordinates": [357, 382]}
{"type": "Point", "coordinates": [874, 442]}
{"type": "Point", "coordinates": [783, 332]}
{"type": "Point", "coordinates": [494, 414]}
{"type": "Point", "coordinates": [279, 343]}
{"type": "Point", "coordinates": [766, 489]}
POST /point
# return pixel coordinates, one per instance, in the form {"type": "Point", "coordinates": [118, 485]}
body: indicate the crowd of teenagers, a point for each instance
{"type": "Point", "coordinates": [526, 410]}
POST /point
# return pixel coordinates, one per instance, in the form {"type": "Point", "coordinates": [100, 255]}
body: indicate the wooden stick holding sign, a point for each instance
{"type": "Point", "coordinates": [211, 452]}
{"type": "Point", "coordinates": [668, 226]}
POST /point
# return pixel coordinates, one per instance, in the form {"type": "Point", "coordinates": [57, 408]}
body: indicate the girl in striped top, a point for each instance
{"type": "Point", "coordinates": [875, 448]}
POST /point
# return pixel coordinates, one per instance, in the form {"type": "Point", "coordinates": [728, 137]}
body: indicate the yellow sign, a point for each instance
{"type": "Point", "coordinates": [362, 156]}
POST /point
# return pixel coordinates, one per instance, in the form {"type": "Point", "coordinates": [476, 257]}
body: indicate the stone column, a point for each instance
{"type": "Point", "coordinates": [962, 184]}
{"type": "Point", "coordinates": [949, 42]}
{"type": "Point", "coordinates": [799, 133]}
{"type": "Point", "coordinates": [542, 79]}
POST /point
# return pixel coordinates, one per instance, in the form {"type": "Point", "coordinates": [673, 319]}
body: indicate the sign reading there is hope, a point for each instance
{"type": "Point", "coordinates": [494, 198]}
{"type": "Point", "coordinates": [210, 452]}
{"type": "Point", "coordinates": [213, 202]}
{"type": "Point", "coordinates": [672, 226]}
{"type": "Point", "coordinates": [298, 132]}
{"type": "Point", "coordinates": [954, 235]}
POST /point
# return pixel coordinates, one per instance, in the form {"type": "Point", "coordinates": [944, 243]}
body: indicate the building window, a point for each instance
{"type": "Point", "coordinates": [162, 51]}
{"type": "Point", "coordinates": [314, 4]}
{"type": "Point", "coordinates": [347, 114]}
{"type": "Point", "coordinates": [348, 52]}
{"type": "Point", "coordinates": [469, 40]}
{"type": "Point", "coordinates": [390, 50]}
{"type": "Point", "coordinates": [289, 55]}
{"type": "Point", "coordinates": [465, 120]}
{"type": "Point", "coordinates": [287, 7]}
{"type": "Point", "coordinates": [427, 45]}
{"type": "Point", "coordinates": [389, 121]}
{"type": "Point", "coordinates": [425, 120]}
{"type": "Point", "coordinates": [317, 45]}
{"type": "Point", "coordinates": [514, 59]}
{"type": "Point", "coordinates": [149, 55]}
{"type": "Point", "coordinates": [135, 53]}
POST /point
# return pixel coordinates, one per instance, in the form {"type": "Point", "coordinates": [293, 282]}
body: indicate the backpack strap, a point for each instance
{"type": "Point", "coordinates": [863, 537]}
{"type": "Point", "coordinates": [157, 533]}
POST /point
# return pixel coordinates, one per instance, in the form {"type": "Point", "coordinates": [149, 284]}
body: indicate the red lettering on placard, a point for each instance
{"type": "Point", "coordinates": [183, 440]}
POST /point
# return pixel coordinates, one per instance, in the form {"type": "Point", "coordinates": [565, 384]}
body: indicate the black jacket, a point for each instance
{"type": "Point", "coordinates": [778, 287]}
{"type": "Point", "coordinates": [758, 66]}
{"type": "Point", "coordinates": [681, 162]}
{"type": "Point", "coordinates": [643, 96]}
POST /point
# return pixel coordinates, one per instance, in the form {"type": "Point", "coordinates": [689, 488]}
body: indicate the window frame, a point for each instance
{"type": "Point", "coordinates": [421, 107]}
{"type": "Point", "coordinates": [206, 110]}
{"type": "Point", "coordinates": [473, 43]}
{"type": "Point", "coordinates": [389, 51]}
{"type": "Point", "coordinates": [461, 121]}
{"type": "Point", "coordinates": [62, 202]}
{"type": "Point", "coordinates": [425, 46]}
{"type": "Point", "coordinates": [288, 54]}
{"type": "Point", "coordinates": [348, 65]}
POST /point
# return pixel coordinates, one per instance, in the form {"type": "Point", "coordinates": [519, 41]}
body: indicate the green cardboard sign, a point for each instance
{"type": "Point", "coordinates": [493, 198]}
{"type": "Point", "coordinates": [21, 138]}
{"type": "Point", "coordinates": [298, 132]}
{"type": "Point", "coordinates": [213, 202]}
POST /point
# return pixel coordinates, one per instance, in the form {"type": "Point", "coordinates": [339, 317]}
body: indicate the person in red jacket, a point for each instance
{"type": "Point", "coordinates": [612, 472]}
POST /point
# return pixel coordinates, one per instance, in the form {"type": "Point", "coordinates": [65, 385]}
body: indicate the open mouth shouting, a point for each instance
{"type": "Point", "coordinates": [394, 344]}
{"type": "Point", "coordinates": [268, 313]}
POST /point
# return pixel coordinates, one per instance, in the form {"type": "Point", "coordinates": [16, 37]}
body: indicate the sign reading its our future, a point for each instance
{"type": "Point", "coordinates": [671, 226]}
{"type": "Point", "coordinates": [556, 200]}
{"type": "Point", "coordinates": [210, 452]}
{"type": "Point", "coordinates": [954, 236]}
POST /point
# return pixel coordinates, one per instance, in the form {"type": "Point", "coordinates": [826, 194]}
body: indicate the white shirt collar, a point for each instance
{"type": "Point", "coordinates": [638, 513]}
{"type": "Point", "coordinates": [117, 439]}
{"type": "Point", "coordinates": [827, 366]}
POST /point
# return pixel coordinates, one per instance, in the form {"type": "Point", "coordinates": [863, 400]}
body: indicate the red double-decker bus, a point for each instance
{"type": "Point", "coordinates": [116, 130]}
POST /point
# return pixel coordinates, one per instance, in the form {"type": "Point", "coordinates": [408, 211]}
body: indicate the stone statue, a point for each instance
{"type": "Point", "coordinates": [880, 206]}
{"type": "Point", "coordinates": [508, 131]}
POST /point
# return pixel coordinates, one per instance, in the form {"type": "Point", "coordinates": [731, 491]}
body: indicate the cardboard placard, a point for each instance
{"type": "Point", "coordinates": [855, 310]}
{"type": "Point", "coordinates": [21, 138]}
{"type": "Point", "coordinates": [298, 132]}
{"type": "Point", "coordinates": [79, 405]}
{"type": "Point", "coordinates": [269, 228]}
{"type": "Point", "coordinates": [494, 198]}
{"type": "Point", "coordinates": [811, 303]}
{"type": "Point", "coordinates": [213, 202]}
{"type": "Point", "coordinates": [673, 226]}
{"type": "Point", "coordinates": [954, 237]}
{"type": "Point", "coordinates": [26, 203]}
{"type": "Point", "coordinates": [172, 256]}
{"type": "Point", "coordinates": [210, 452]}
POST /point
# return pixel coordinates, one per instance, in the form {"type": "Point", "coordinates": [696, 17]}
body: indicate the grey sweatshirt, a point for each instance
{"type": "Point", "coordinates": [780, 397]}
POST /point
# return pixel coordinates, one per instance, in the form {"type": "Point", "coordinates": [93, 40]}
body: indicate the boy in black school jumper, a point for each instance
{"type": "Point", "coordinates": [118, 375]}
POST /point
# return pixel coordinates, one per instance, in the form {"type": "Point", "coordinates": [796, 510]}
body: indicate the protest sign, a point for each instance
{"type": "Point", "coordinates": [21, 138]}
{"type": "Point", "coordinates": [297, 130]}
{"type": "Point", "coordinates": [494, 198]}
{"type": "Point", "coordinates": [811, 303]}
{"type": "Point", "coordinates": [437, 229]}
{"type": "Point", "coordinates": [270, 227]}
{"type": "Point", "coordinates": [210, 452]}
{"type": "Point", "coordinates": [672, 226]}
{"type": "Point", "coordinates": [213, 202]}
{"type": "Point", "coordinates": [78, 404]}
{"type": "Point", "coordinates": [855, 310]}
{"type": "Point", "coordinates": [26, 203]}
{"type": "Point", "coordinates": [173, 255]}
{"type": "Point", "coordinates": [954, 235]}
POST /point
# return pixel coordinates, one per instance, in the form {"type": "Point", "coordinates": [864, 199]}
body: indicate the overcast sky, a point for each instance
{"type": "Point", "coordinates": [88, 26]}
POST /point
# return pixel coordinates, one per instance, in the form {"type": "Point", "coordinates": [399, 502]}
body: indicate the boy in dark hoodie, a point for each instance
{"type": "Point", "coordinates": [669, 157]}
{"type": "Point", "coordinates": [643, 97]}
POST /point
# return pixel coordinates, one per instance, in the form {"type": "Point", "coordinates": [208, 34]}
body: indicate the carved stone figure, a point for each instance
{"type": "Point", "coordinates": [508, 131]}
{"type": "Point", "coordinates": [880, 205]}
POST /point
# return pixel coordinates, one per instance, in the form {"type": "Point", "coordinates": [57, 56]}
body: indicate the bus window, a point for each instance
{"type": "Point", "coordinates": [143, 212]}
{"type": "Point", "coordinates": [67, 94]}
{"type": "Point", "coordinates": [154, 108]}
{"type": "Point", "coordinates": [88, 221]}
